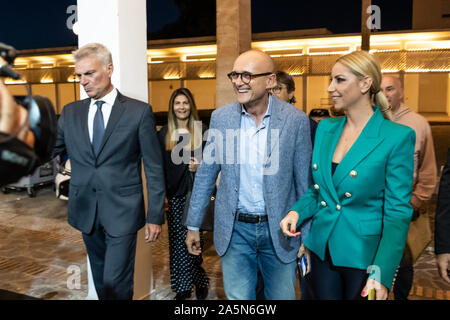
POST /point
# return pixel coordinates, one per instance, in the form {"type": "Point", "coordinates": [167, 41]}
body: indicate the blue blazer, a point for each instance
{"type": "Point", "coordinates": [362, 211]}
{"type": "Point", "coordinates": [287, 178]}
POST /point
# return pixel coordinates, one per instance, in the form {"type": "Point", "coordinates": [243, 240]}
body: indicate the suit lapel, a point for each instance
{"type": "Point", "coordinates": [116, 113]}
{"type": "Point", "coordinates": [366, 142]}
{"type": "Point", "coordinates": [83, 124]}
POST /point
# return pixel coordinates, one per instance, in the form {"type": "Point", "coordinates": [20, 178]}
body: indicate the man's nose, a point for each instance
{"type": "Point", "coordinates": [83, 80]}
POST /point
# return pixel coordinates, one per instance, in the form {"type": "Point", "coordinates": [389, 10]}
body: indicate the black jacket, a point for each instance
{"type": "Point", "coordinates": [442, 234]}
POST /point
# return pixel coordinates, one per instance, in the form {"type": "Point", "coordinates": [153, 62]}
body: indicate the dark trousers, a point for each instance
{"type": "Point", "coordinates": [112, 263]}
{"type": "Point", "coordinates": [405, 272]}
{"type": "Point", "coordinates": [404, 279]}
{"type": "Point", "coordinates": [329, 282]}
{"type": "Point", "coordinates": [305, 288]}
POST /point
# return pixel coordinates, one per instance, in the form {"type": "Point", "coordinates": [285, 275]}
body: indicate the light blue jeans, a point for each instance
{"type": "Point", "coordinates": [251, 249]}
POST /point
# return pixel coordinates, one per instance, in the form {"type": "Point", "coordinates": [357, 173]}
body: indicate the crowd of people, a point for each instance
{"type": "Point", "coordinates": [282, 182]}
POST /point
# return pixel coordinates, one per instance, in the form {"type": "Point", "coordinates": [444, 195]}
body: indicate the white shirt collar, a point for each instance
{"type": "Point", "coordinates": [109, 98]}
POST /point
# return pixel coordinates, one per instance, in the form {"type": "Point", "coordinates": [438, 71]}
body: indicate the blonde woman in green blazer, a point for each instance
{"type": "Point", "coordinates": [362, 169]}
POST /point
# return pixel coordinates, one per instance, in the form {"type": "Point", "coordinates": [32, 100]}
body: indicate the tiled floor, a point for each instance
{"type": "Point", "coordinates": [43, 257]}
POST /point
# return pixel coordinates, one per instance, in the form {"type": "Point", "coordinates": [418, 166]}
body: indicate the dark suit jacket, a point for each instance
{"type": "Point", "coordinates": [442, 234]}
{"type": "Point", "coordinates": [111, 184]}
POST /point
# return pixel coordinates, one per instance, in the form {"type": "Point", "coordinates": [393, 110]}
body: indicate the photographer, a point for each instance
{"type": "Point", "coordinates": [27, 126]}
{"type": "Point", "coordinates": [13, 118]}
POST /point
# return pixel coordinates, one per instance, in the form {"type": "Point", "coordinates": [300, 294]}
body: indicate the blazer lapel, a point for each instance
{"type": "Point", "coordinates": [366, 142]}
{"type": "Point", "coordinates": [327, 146]}
{"type": "Point", "coordinates": [277, 122]}
{"type": "Point", "coordinates": [116, 113]}
{"type": "Point", "coordinates": [234, 123]}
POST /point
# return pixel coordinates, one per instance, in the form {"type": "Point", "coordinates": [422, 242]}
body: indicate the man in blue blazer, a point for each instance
{"type": "Point", "coordinates": [106, 136]}
{"type": "Point", "coordinates": [262, 148]}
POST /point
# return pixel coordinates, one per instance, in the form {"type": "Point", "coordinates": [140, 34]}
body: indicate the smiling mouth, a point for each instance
{"type": "Point", "coordinates": [242, 90]}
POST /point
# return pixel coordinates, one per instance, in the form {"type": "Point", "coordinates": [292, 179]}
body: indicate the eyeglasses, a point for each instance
{"type": "Point", "coordinates": [276, 89]}
{"type": "Point", "coordinates": [246, 77]}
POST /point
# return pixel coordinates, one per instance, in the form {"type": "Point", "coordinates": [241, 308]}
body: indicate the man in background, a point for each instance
{"type": "Point", "coordinates": [424, 171]}
{"type": "Point", "coordinates": [442, 227]}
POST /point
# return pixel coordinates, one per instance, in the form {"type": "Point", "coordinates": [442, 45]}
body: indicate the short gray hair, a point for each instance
{"type": "Point", "coordinates": [97, 49]}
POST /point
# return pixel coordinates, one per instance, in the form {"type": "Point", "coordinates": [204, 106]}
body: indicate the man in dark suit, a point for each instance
{"type": "Point", "coordinates": [105, 137]}
{"type": "Point", "coordinates": [442, 234]}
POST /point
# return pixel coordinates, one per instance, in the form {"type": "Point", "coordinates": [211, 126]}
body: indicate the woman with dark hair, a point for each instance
{"type": "Point", "coordinates": [181, 144]}
{"type": "Point", "coordinates": [362, 168]}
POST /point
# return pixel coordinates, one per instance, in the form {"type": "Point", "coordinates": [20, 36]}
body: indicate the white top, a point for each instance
{"type": "Point", "coordinates": [109, 100]}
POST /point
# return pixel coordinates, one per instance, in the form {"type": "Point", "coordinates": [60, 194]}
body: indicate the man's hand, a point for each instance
{"type": "Point", "coordinates": [152, 232]}
{"type": "Point", "coordinates": [193, 242]}
{"type": "Point", "coordinates": [443, 264]}
{"type": "Point", "coordinates": [193, 164]}
{"type": "Point", "coordinates": [14, 118]}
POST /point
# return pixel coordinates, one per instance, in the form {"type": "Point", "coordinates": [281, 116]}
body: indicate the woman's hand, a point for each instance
{"type": "Point", "coordinates": [289, 224]}
{"type": "Point", "coordinates": [380, 290]}
{"type": "Point", "coordinates": [193, 165]}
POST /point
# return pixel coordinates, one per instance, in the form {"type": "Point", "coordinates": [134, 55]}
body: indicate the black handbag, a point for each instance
{"type": "Point", "coordinates": [208, 218]}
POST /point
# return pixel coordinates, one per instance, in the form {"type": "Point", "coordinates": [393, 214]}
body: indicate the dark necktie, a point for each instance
{"type": "Point", "coordinates": [99, 127]}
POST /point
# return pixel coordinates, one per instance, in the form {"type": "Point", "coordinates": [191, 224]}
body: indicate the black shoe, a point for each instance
{"type": "Point", "coordinates": [201, 292]}
{"type": "Point", "coordinates": [183, 295]}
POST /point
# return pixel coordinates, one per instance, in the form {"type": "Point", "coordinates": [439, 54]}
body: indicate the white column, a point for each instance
{"type": "Point", "coordinates": [121, 25]}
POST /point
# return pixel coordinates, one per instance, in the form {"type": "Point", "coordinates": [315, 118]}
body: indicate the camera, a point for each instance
{"type": "Point", "coordinates": [17, 159]}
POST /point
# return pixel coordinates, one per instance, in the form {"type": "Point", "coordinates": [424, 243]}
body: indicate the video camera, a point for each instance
{"type": "Point", "coordinates": [17, 159]}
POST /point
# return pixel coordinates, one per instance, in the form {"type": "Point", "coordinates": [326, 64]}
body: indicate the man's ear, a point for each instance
{"type": "Point", "coordinates": [291, 94]}
{"type": "Point", "coordinates": [110, 69]}
{"type": "Point", "coordinates": [271, 81]}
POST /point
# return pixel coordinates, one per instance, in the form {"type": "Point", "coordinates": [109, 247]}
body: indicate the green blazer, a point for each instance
{"type": "Point", "coordinates": [363, 210]}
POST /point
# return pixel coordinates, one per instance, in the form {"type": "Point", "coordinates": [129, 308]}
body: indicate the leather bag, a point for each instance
{"type": "Point", "coordinates": [208, 218]}
{"type": "Point", "coordinates": [419, 235]}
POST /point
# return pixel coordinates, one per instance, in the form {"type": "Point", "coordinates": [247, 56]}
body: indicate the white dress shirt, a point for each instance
{"type": "Point", "coordinates": [109, 100]}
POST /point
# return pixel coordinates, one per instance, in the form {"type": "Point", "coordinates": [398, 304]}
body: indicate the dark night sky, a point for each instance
{"type": "Point", "coordinates": [42, 24]}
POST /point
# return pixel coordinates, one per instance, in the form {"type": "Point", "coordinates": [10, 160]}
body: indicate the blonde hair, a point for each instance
{"type": "Point", "coordinates": [96, 49]}
{"type": "Point", "coordinates": [172, 123]}
{"type": "Point", "coordinates": [361, 64]}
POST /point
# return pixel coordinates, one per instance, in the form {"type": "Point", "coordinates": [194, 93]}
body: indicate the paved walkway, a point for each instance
{"type": "Point", "coordinates": [39, 252]}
